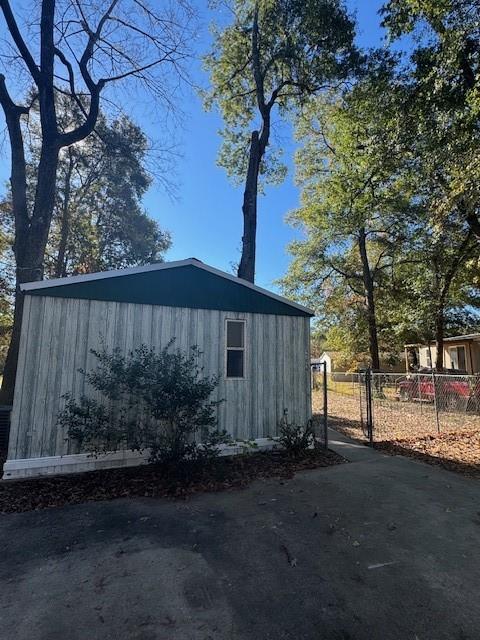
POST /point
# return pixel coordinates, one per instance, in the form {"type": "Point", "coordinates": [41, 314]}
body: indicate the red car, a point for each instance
{"type": "Point", "coordinates": [452, 390]}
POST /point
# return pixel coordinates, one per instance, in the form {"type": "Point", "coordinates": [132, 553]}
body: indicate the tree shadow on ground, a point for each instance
{"type": "Point", "coordinates": [405, 449]}
{"type": "Point", "coordinates": [351, 428]}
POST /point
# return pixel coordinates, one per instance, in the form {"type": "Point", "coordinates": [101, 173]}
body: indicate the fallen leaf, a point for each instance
{"type": "Point", "coordinates": [381, 564]}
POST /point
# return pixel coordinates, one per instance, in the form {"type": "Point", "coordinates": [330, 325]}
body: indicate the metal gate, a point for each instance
{"type": "Point", "coordinates": [377, 407]}
{"type": "Point", "coordinates": [366, 404]}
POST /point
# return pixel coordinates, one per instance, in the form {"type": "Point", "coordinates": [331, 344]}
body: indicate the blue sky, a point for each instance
{"type": "Point", "coordinates": [205, 220]}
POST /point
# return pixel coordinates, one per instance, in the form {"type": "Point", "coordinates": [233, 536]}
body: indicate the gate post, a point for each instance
{"type": "Point", "coordinates": [325, 406]}
{"type": "Point", "coordinates": [435, 400]}
{"type": "Point", "coordinates": [368, 397]}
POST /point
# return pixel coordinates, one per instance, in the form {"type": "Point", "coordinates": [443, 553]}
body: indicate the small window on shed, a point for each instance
{"type": "Point", "coordinates": [235, 349]}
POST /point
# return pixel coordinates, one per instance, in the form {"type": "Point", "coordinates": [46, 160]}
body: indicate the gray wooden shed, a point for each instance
{"type": "Point", "coordinates": [256, 341]}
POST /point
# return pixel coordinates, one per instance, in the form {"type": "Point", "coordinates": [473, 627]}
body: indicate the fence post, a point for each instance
{"type": "Point", "coordinates": [419, 385]}
{"type": "Point", "coordinates": [360, 396]}
{"type": "Point", "coordinates": [325, 405]}
{"type": "Point", "coordinates": [368, 397]}
{"type": "Point", "coordinates": [435, 403]}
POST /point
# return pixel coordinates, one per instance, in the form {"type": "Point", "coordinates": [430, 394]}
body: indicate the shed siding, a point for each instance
{"type": "Point", "coordinates": [58, 334]}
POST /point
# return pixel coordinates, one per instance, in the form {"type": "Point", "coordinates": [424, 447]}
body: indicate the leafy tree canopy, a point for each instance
{"type": "Point", "coordinates": [378, 261]}
{"type": "Point", "coordinates": [443, 76]}
{"type": "Point", "coordinates": [98, 222]}
{"type": "Point", "coordinates": [351, 170]}
{"type": "Point", "coordinates": [302, 46]}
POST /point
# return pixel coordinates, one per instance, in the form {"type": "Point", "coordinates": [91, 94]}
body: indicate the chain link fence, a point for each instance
{"type": "Point", "coordinates": [320, 419]}
{"type": "Point", "coordinates": [423, 404]}
{"type": "Point", "coordinates": [346, 401]}
{"type": "Point", "coordinates": [380, 407]}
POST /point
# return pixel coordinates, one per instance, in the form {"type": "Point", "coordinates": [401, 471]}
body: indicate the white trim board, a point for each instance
{"type": "Point", "coordinates": [80, 462]}
{"type": "Point", "coordinates": [102, 275]}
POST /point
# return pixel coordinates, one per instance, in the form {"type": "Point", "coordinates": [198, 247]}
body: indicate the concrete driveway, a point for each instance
{"type": "Point", "coordinates": [382, 548]}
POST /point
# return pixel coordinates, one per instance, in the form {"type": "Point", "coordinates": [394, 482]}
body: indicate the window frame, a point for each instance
{"type": "Point", "coordinates": [456, 348]}
{"type": "Point", "coordinates": [244, 348]}
{"type": "Point", "coordinates": [429, 357]}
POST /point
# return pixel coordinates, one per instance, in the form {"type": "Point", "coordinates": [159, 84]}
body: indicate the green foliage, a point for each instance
{"type": "Point", "coordinates": [146, 400]}
{"type": "Point", "coordinates": [364, 171]}
{"type": "Point", "coordinates": [233, 157]}
{"type": "Point", "coordinates": [98, 220]}
{"type": "Point", "coordinates": [444, 98]}
{"type": "Point", "coordinates": [442, 102]}
{"type": "Point", "coordinates": [438, 277]}
{"type": "Point", "coordinates": [296, 440]}
{"type": "Point", "coordinates": [101, 184]}
{"type": "Point", "coordinates": [92, 426]}
{"type": "Point", "coordinates": [354, 190]}
{"type": "Point", "coordinates": [302, 46]}
{"type": "Point", "coordinates": [318, 342]}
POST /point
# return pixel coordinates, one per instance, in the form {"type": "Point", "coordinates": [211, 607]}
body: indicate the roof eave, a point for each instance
{"type": "Point", "coordinates": [103, 275]}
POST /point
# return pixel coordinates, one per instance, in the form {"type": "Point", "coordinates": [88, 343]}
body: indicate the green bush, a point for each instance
{"type": "Point", "coordinates": [296, 439]}
{"type": "Point", "coordinates": [147, 400]}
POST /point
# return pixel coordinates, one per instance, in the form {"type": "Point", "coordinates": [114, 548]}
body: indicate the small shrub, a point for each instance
{"type": "Point", "coordinates": [90, 424]}
{"type": "Point", "coordinates": [149, 400]}
{"type": "Point", "coordinates": [296, 439]}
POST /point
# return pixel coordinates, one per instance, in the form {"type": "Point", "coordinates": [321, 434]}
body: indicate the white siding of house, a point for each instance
{"type": "Point", "coordinates": [472, 355]}
{"type": "Point", "coordinates": [325, 357]}
{"type": "Point", "coordinates": [58, 334]}
{"type": "Point", "coordinates": [423, 356]}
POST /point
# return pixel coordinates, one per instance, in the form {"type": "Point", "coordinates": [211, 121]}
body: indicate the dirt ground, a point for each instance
{"type": "Point", "coordinates": [153, 481]}
{"type": "Point", "coordinates": [458, 451]}
{"type": "Point", "coordinates": [410, 429]}
{"type": "Point", "coordinates": [343, 413]}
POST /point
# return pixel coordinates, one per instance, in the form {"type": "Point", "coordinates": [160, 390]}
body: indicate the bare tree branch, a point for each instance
{"type": "Point", "coordinates": [19, 41]}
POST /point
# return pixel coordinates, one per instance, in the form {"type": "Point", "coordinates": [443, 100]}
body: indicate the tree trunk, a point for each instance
{"type": "Point", "coordinates": [31, 233]}
{"type": "Point", "coordinates": [461, 254]}
{"type": "Point", "coordinates": [439, 336]}
{"type": "Point", "coordinates": [258, 145]}
{"type": "Point", "coordinates": [10, 369]}
{"type": "Point", "coordinates": [369, 301]}
{"type": "Point", "coordinates": [18, 182]}
{"type": "Point", "coordinates": [22, 274]}
{"type": "Point", "coordinates": [246, 268]}
{"type": "Point", "coordinates": [60, 263]}
{"type": "Point", "coordinates": [29, 255]}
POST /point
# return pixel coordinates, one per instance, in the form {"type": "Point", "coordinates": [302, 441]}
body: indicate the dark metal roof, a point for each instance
{"type": "Point", "coordinates": [187, 283]}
